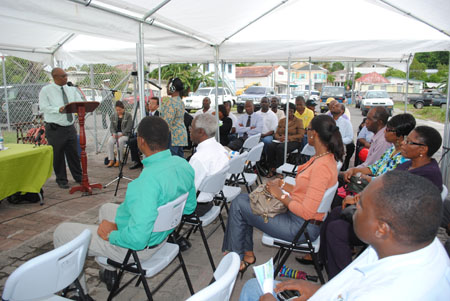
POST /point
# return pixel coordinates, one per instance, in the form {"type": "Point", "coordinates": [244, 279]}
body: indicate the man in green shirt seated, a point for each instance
{"type": "Point", "coordinates": [130, 225]}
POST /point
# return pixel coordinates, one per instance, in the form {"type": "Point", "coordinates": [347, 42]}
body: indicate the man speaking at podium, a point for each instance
{"type": "Point", "coordinates": [59, 129]}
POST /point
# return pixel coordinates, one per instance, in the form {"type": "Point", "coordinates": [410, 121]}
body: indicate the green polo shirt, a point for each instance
{"type": "Point", "coordinates": [163, 179]}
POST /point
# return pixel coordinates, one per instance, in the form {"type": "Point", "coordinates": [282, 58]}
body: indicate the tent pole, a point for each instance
{"type": "Point", "coordinates": [223, 82]}
{"type": "Point", "coordinates": [310, 79]}
{"type": "Point", "coordinates": [353, 82]}
{"type": "Point", "coordinates": [6, 92]}
{"type": "Point", "coordinates": [288, 97]}
{"type": "Point", "coordinates": [91, 76]}
{"type": "Point", "coordinates": [140, 51]}
{"type": "Point", "coordinates": [407, 82]}
{"type": "Point", "coordinates": [445, 160]}
{"type": "Point", "coordinates": [154, 10]}
{"type": "Point", "coordinates": [216, 79]}
{"type": "Point", "coordinates": [159, 80]}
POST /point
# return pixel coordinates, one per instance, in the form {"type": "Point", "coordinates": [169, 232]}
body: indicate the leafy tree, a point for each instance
{"type": "Point", "coordinates": [330, 78]}
{"type": "Point", "coordinates": [22, 71]}
{"type": "Point", "coordinates": [358, 75]}
{"type": "Point", "coordinates": [395, 73]}
{"type": "Point", "coordinates": [336, 67]}
{"type": "Point", "coordinates": [244, 64]}
{"type": "Point", "coordinates": [417, 70]}
{"type": "Point", "coordinates": [102, 72]}
{"type": "Point", "coordinates": [432, 59]}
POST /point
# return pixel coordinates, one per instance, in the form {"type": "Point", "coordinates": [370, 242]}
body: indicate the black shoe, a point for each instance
{"type": "Point", "coordinates": [108, 277]}
{"type": "Point", "coordinates": [63, 186]}
{"type": "Point", "coordinates": [136, 165]}
{"type": "Point", "coordinates": [182, 242]}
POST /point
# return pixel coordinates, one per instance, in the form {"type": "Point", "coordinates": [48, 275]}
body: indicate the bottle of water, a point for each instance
{"type": "Point", "coordinates": [1, 140]}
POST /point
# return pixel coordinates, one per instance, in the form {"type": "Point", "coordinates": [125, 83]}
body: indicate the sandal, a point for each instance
{"type": "Point", "coordinates": [246, 265]}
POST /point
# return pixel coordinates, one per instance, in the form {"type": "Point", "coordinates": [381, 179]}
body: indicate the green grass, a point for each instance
{"type": "Point", "coordinates": [9, 136]}
{"type": "Point", "coordinates": [429, 113]}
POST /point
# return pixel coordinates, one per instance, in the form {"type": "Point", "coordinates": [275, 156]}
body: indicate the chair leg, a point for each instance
{"type": "Point", "coordinates": [317, 267]}
{"type": "Point", "coordinates": [208, 251]}
{"type": "Point", "coordinates": [142, 276]}
{"type": "Point", "coordinates": [115, 289]}
{"type": "Point", "coordinates": [282, 262]}
{"type": "Point", "coordinates": [222, 222]}
{"type": "Point", "coordinates": [185, 272]}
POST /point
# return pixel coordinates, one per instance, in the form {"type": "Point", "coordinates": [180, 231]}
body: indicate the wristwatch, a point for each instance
{"type": "Point", "coordinates": [283, 196]}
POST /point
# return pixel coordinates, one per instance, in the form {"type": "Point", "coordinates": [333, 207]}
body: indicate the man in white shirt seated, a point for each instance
{"type": "Point", "coordinates": [249, 124]}
{"type": "Point", "coordinates": [209, 158]}
{"type": "Point", "coordinates": [206, 108]}
{"type": "Point", "coordinates": [270, 122]}
{"type": "Point", "coordinates": [345, 127]}
{"type": "Point", "coordinates": [398, 215]}
{"type": "Point", "coordinates": [275, 109]}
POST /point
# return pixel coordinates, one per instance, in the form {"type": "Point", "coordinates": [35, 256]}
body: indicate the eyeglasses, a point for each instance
{"type": "Point", "coordinates": [413, 143]}
{"type": "Point", "coordinates": [391, 130]}
{"type": "Point", "coordinates": [308, 129]}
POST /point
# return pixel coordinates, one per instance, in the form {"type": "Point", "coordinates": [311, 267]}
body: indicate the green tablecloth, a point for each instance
{"type": "Point", "coordinates": [24, 168]}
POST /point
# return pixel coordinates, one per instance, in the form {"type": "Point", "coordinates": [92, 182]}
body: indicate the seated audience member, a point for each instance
{"type": "Point", "coordinates": [153, 105]}
{"type": "Point", "coordinates": [209, 158]}
{"type": "Point", "coordinates": [130, 225]}
{"type": "Point", "coordinates": [311, 104]}
{"type": "Point", "coordinates": [346, 129]}
{"type": "Point", "coordinates": [376, 120]}
{"type": "Point", "coordinates": [249, 124]}
{"type": "Point", "coordinates": [275, 150]}
{"type": "Point", "coordinates": [233, 118]}
{"type": "Point", "coordinates": [270, 122]}
{"type": "Point", "coordinates": [206, 108]}
{"type": "Point", "coordinates": [420, 145]}
{"type": "Point", "coordinates": [312, 180]}
{"type": "Point", "coordinates": [397, 128]}
{"type": "Point", "coordinates": [225, 125]}
{"type": "Point", "coordinates": [121, 124]}
{"type": "Point", "coordinates": [363, 140]}
{"type": "Point", "coordinates": [398, 216]}
{"type": "Point", "coordinates": [274, 108]}
{"type": "Point", "coordinates": [303, 113]}
{"type": "Point", "coordinates": [332, 102]}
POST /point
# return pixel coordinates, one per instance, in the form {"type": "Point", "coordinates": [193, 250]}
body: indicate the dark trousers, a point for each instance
{"type": "Point", "coordinates": [349, 150]}
{"type": "Point", "coordinates": [237, 143]}
{"type": "Point", "coordinates": [336, 240]}
{"type": "Point", "coordinates": [275, 152]}
{"type": "Point", "coordinates": [63, 139]}
{"type": "Point", "coordinates": [134, 151]}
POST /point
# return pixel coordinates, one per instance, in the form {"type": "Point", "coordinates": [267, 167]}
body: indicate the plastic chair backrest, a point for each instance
{"type": "Point", "coordinates": [327, 199]}
{"type": "Point", "coordinates": [44, 275]}
{"type": "Point", "coordinates": [169, 215]}
{"type": "Point", "coordinates": [214, 183]}
{"type": "Point", "coordinates": [444, 192]}
{"type": "Point", "coordinates": [255, 153]}
{"type": "Point", "coordinates": [237, 163]}
{"type": "Point", "coordinates": [308, 150]}
{"type": "Point", "coordinates": [251, 142]}
{"type": "Point", "coordinates": [225, 276]}
{"type": "Point", "coordinates": [339, 165]}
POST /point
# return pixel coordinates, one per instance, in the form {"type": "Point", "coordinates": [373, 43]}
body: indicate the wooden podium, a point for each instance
{"type": "Point", "coordinates": [82, 107]}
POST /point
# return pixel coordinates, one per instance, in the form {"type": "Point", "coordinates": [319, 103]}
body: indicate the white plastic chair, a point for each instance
{"type": "Point", "coordinates": [237, 165]}
{"type": "Point", "coordinates": [225, 277]}
{"type": "Point", "coordinates": [254, 156]}
{"type": "Point", "coordinates": [213, 185]}
{"type": "Point", "coordinates": [43, 276]}
{"type": "Point", "coordinates": [288, 169]}
{"type": "Point", "coordinates": [444, 192]}
{"type": "Point", "coordinates": [251, 142]}
{"type": "Point", "coordinates": [312, 247]}
{"type": "Point", "coordinates": [169, 217]}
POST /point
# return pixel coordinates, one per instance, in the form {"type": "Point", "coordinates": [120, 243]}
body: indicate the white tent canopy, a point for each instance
{"type": "Point", "coordinates": [186, 31]}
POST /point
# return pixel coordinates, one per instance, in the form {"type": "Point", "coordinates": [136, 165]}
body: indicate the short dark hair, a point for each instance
{"type": "Point", "coordinates": [300, 98]}
{"type": "Point", "coordinates": [411, 205]}
{"type": "Point", "coordinates": [155, 132]}
{"type": "Point", "coordinates": [430, 137]}
{"type": "Point", "coordinates": [227, 102]}
{"type": "Point", "coordinates": [223, 110]}
{"type": "Point", "coordinates": [264, 98]}
{"type": "Point", "coordinates": [292, 106]}
{"type": "Point", "coordinates": [402, 123]}
{"type": "Point", "coordinates": [120, 104]}
{"type": "Point", "coordinates": [157, 99]}
{"type": "Point", "coordinates": [381, 114]}
{"type": "Point", "coordinates": [329, 134]}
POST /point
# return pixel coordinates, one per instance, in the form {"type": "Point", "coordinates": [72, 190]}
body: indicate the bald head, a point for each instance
{"type": "Point", "coordinates": [59, 76]}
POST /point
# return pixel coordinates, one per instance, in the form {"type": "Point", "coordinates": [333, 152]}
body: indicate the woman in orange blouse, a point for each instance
{"type": "Point", "coordinates": [275, 150]}
{"type": "Point", "coordinates": [312, 180]}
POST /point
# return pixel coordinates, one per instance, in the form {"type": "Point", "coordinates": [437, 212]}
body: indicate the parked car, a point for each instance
{"type": "Point", "coordinates": [376, 98]}
{"type": "Point", "coordinates": [337, 93]}
{"type": "Point", "coordinates": [313, 94]}
{"type": "Point", "coordinates": [195, 101]}
{"type": "Point", "coordinates": [88, 93]}
{"type": "Point", "coordinates": [427, 99]}
{"type": "Point", "coordinates": [21, 97]}
{"type": "Point", "coordinates": [148, 93]}
{"type": "Point", "coordinates": [254, 93]}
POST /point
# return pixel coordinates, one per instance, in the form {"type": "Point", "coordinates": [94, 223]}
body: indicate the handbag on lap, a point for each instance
{"type": "Point", "coordinates": [264, 204]}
